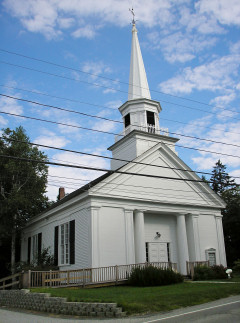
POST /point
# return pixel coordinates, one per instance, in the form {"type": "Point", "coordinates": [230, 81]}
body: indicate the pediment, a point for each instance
{"type": "Point", "coordinates": [167, 181]}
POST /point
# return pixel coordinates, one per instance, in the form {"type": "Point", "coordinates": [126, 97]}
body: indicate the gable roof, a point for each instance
{"type": "Point", "coordinates": [139, 165]}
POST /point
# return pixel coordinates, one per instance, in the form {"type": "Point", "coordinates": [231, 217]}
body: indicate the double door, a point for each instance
{"type": "Point", "coordinates": [158, 252]}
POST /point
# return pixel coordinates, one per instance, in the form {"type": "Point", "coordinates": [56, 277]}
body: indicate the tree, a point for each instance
{"type": "Point", "coordinates": [221, 181]}
{"type": "Point", "coordinates": [229, 190]}
{"type": "Point", "coordinates": [22, 184]}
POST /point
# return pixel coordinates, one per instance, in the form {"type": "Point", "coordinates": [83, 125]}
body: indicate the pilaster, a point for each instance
{"type": "Point", "coordinates": [183, 255]}
{"type": "Point", "coordinates": [129, 237]}
{"type": "Point", "coordinates": [95, 238]}
{"type": "Point", "coordinates": [220, 238]}
{"type": "Point", "coordinates": [139, 237]}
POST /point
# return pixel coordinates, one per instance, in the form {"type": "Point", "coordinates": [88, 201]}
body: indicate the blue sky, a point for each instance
{"type": "Point", "coordinates": [191, 52]}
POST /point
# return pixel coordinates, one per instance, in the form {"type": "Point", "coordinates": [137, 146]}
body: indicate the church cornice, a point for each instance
{"type": "Point", "coordinates": [140, 101]}
{"type": "Point", "coordinates": [143, 134]}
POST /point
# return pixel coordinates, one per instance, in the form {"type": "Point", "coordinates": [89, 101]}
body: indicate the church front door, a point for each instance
{"type": "Point", "coordinates": [157, 252]}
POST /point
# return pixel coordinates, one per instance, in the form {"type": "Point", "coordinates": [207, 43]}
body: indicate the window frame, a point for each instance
{"type": "Point", "coordinates": [34, 248]}
{"type": "Point", "coordinates": [209, 252]}
{"type": "Point", "coordinates": [64, 243]}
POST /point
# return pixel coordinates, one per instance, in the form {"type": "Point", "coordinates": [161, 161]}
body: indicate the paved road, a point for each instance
{"type": "Point", "coordinates": [226, 310]}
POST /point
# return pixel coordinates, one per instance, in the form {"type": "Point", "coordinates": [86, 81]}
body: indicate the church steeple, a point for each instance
{"type": "Point", "coordinates": [140, 114]}
{"type": "Point", "coordinates": [138, 84]}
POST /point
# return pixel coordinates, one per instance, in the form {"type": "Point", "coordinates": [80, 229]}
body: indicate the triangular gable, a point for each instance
{"type": "Point", "coordinates": [158, 189]}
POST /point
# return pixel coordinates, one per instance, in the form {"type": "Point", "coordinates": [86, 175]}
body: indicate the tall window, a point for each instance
{"type": "Point", "coordinates": [64, 245]}
{"type": "Point", "coordinates": [150, 118]}
{"type": "Point", "coordinates": [127, 120]}
{"type": "Point", "coordinates": [34, 247]}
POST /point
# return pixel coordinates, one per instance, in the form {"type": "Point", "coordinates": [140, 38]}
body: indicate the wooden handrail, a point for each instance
{"type": "Point", "coordinates": [10, 277]}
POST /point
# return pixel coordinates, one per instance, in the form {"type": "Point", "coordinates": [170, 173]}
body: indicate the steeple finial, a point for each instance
{"type": "Point", "coordinates": [133, 14]}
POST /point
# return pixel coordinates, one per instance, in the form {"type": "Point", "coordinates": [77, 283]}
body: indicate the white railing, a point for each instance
{"type": "Point", "coordinates": [88, 276]}
{"type": "Point", "coordinates": [149, 128]}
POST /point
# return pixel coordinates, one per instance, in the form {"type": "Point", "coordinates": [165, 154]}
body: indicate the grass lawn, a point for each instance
{"type": "Point", "coordinates": [136, 300]}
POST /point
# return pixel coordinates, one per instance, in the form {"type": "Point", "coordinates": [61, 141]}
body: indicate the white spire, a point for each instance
{"type": "Point", "coordinates": [138, 84]}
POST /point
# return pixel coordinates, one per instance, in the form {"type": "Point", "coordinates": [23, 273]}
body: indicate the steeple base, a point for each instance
{"type": "Point", "coordinates": [136, 143]}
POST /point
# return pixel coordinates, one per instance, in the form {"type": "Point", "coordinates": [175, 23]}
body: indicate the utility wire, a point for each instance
{"type": "Point", "coordinates": [111, 133]}
{"type": "Point", "coordinates": [107, 157]}
{"type": "Point", "coordinates": [97, 85]}
{"type": "Point", "coordinates": [116, 121]}
{"type": "Point", "coordinates": [104, 169]}
{"type": "Point", "coordinates": [107, 119]}
{"type": "Point", "coordinates": [110, 79]}
{"type": "Point", "coordinates": [114, 109]}
{"type": "Point", "coordinates": [59, 108]}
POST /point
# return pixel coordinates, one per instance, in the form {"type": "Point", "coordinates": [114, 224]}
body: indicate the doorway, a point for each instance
{"type": "Point", "coordinates": [158, 251]}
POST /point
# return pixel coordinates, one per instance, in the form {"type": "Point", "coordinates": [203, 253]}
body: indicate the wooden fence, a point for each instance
{"type": "Point", "coordinates": [87, 276]}
{"type": "Point", "coordinates": [13, 281]}
{"type": "Point", "coordinates": [192, 264]}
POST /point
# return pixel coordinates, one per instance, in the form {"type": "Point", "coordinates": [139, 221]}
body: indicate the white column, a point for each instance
{"type": "Point", "coordinates": [94, 237]}
{"type": "Point", "coordinates": [196, 237]}
{"type": "Point", "coordinates": [139, 238]}
{"type": "Point", "coordinates": [221, 244]}
{"type": "Point", "coordinates": [182, 244]}
{"type": "Point", "coordinates": [129, 237]}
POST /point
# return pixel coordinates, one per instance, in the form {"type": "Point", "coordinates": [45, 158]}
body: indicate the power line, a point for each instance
{"type": "Point", "coordinates": [59, 108]}
{"type": "Point", "coordinates": [100, 85]}
{"type": "Point", "coordinates": [103, 169]}
{"type": "Point", "coordinates": [138, 186]}
{"type": "Point", "coordinates": [110, 79]}
{"type": "Point", "coordinates": [109, 158]}
{"type": "Point", "coordinates": [106, 132]}
{"type": "Point", "coordinates": [111, 120]}
{"type": "Point", "coordinates": [114, 109]}
{"type": "Point", "coordinates": [119, 184]}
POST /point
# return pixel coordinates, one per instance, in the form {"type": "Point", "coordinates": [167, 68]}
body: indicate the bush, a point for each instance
{"type": "Point", "coordinates": [236, 267]}
{"type": "Point", "coordinates": [152, 276]}
{"type": "Point", "coordinates": [44, 261]}
{"type": "Point", "coordinates": [202, 273]}
{"type": "Point", "coordinates": [208, 273]}
{"type": "Point", "coordinates": [219, 272]}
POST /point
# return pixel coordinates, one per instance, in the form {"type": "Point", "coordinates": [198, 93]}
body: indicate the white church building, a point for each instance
{"type": "Point", "coordinates": [151, 207]}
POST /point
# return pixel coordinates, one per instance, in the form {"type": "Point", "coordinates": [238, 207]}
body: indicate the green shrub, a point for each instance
{"type": "Point", "coordinates": [236, 267]}
{"type": "Point", "coordinates": [208, 273]}
{"type": "Point", "coordinates": [152, 276]}
{"type": "Point", "coordinates": [202, 273]}
{"type": "Point", "coordinates": [219, 272]}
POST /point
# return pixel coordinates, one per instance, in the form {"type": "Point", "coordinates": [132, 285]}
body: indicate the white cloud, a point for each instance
{"type": "Point", "coordinates": [179, 46]}
{"type": "Point", "coordinates": [223, 100]}
{"type": "Point", "coordinates": [95, 69]}
{"type": "Point", "coordinates": [85, 32]}
{"type": "Point", "coordinates": [218, 133]}
{"type": "Point", "coordinates": [51, 139]}
{"type": "Point", "coordinates": [82, 175]}
{"type": "Point", "coordinates": [69, 130]}
{"type": "Point", "coordinates": [3, 121]}
{"type": "Point", "coordinates": [114, 104]}
{"type": "Point", "coordinates": [10, 105]}
{"type": "Point", "coordinates": [103, 125]}
{"type": "Point", "coordinates": [226, 12]}
{"type": "Point", "coordinates": [236, 173]}
{"type": "Point", "coordinates": [51, 17]}
{"type": "Point", "coordinates": [216, 75]}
